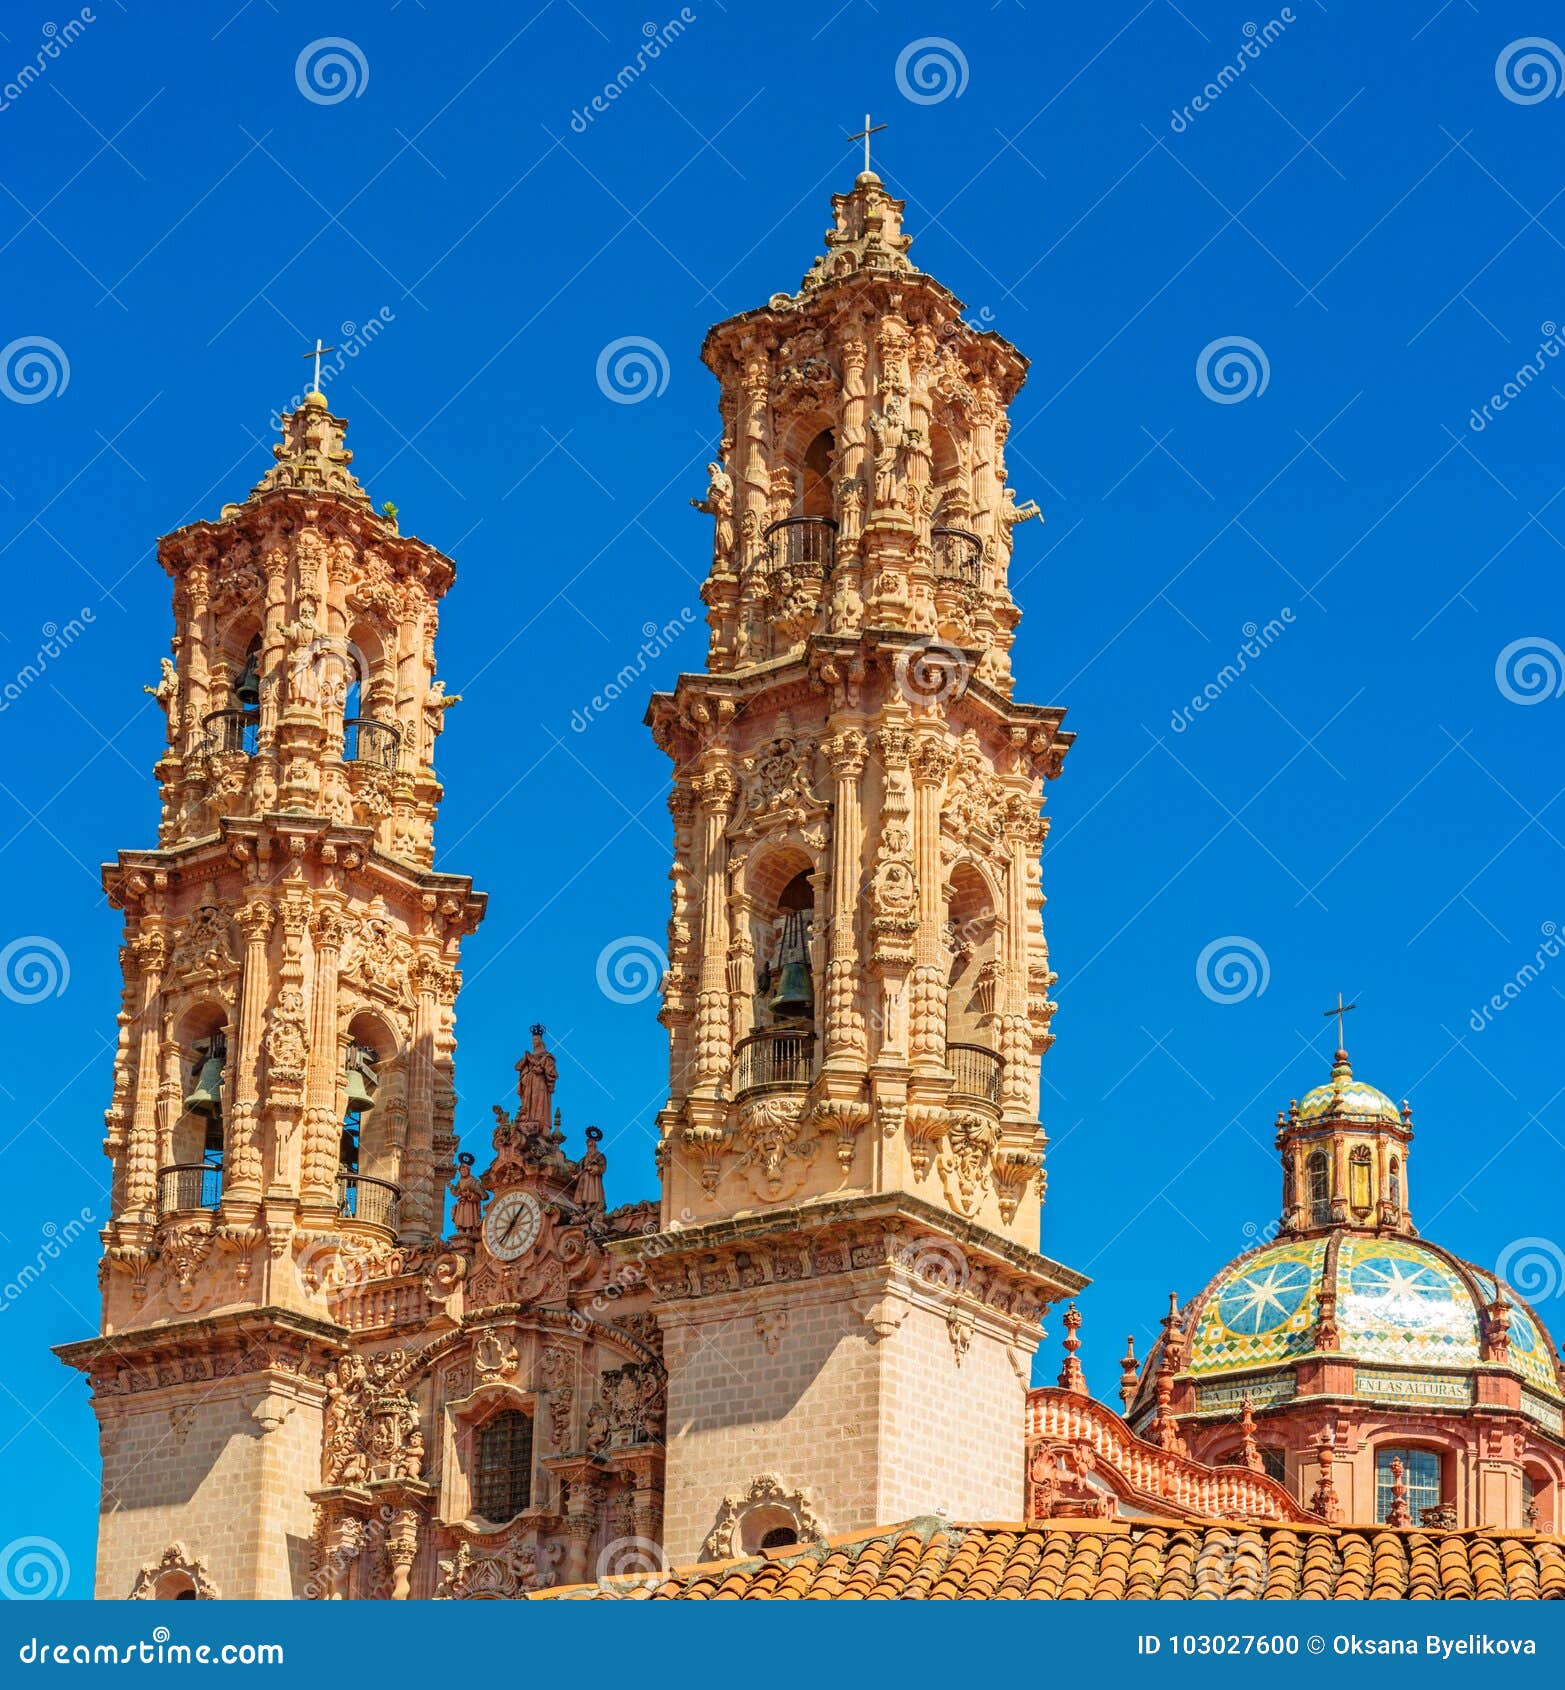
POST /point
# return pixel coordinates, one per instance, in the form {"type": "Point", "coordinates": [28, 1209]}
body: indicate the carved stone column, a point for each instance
{"type": "Point", "coordinates": [714, 1049]}
{"type": "Point", "coordinates": [150, 951]}
{"type": "Point", "coordinates": [417, 1215]}
{"type": "Point", "coordinates": [242, 1156]}
{"type": "Point", "coordinates": [931, 763]}
{"type": "Point", "coordinates": [847, 1044]}
{"type": "Point", "coordinates": [322, 1129]}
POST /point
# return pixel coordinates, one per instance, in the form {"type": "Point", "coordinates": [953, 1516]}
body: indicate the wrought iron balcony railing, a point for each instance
{"type": "Point", "coordinates": [959, 556]}
{"type": "Point", "coordinates": [804, 542]}
{"type": "Point", "coordinates": [234, 729]}
{"type": "Point", "coordinates": [375, 1202]}
{"type": "Point", "coordinates": [189, 1185]}
{"type": "Point", "coordinates": [775, 1059]}
{"type": "Point", "coordinates": [366, 740]}
{"type": "Point", "coordinates": [976, 1071]}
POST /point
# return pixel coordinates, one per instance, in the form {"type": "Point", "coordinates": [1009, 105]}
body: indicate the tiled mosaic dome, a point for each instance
{"type": "Point", "coordinates": [1400, 1301]}
{"type": "Point", "coordinates": [1346, 1099]}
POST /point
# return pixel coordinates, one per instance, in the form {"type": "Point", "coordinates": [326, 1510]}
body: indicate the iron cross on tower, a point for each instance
{"type": "Point", "coordinates": [864, 135]}
{"type": "Point", "coordinates": [317, 353]}
{"type": "Point", "coordinates": [1341, 1010]}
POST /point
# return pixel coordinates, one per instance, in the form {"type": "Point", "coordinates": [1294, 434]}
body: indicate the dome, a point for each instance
{"type": "Point", "coordinates": [1401, 1302]}
{"type": "Point", "coordinates": [1343, 1098]}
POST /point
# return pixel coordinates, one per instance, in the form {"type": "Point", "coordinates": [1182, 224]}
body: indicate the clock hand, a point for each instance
{"type": "Point", "coordinates": [506, 1235]}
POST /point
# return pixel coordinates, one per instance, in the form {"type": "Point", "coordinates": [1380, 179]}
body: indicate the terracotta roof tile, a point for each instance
{"type": "Point", "coordinates": [1114, 1560]}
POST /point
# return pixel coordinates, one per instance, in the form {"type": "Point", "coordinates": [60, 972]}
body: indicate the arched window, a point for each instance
{"type": "Point", "coordinates": [1318, 1180]}
{"type": "Point", "coordinates": [1420, 1474]}
{"type": "Point", "coordinates": [1396, 1183]}
{"type": "Point", "coordinates": [503, 1466]}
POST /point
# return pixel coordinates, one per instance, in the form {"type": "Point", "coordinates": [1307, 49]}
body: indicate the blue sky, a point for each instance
{"type": "Point", "coordinates": [1372, 806]}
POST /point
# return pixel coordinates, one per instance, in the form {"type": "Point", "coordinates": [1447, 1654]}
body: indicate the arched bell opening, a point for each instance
{"type": "Point", "coordinates": [779, 1048]}
{"type": "Point", "coordinates": [972, 996]}
{"type": "Point", "coordinates": [233, 723]}
{"type": "Point", "coordinates": [806, 538]}
{"type": "Point", "coordinates": [370, 731]}
{"type": "Point", "coordinates": [373, 1132]}
{"type": "Point", "coordinates": [191, 1174]}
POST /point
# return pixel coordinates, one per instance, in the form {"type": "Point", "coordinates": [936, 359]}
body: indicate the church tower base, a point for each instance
{"type": "Point", "coordinates": [848, 1362]}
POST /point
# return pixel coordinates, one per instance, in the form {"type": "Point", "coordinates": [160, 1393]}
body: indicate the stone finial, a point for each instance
{"type": "Point", "coordinates": [1071, 1376]}
{"type": "Point", "coordinates": [867, 235]}
{"type": "Point", "coordinates": [1248, 1447]}
{"type": "Point", "coordinates": [1398, 1514]}
{"type": "Point", "coordinates": [311, 456]}
{"type": "Point", "coordinates": [1323, 1499]}
{"type": "Point", "coordinates": [1128, 1372]}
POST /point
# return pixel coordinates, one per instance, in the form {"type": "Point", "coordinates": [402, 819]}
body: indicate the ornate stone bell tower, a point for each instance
{"type": "Point", "coordinates": [857, 997]}
{"type": "Point", "coordinates": [283, 1083]}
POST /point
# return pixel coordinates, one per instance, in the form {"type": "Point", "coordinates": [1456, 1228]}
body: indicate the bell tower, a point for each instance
{"type": "Point", "coordinates": [857, 997]}
{"type": "Point", "coordinates": [283, 1081]}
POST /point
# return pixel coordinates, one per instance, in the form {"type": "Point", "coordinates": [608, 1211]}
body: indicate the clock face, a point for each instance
{"type": "Point", "coordinates": [511, 1226]}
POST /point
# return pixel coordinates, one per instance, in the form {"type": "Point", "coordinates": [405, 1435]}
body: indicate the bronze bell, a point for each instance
{"type": "Point", "coordinates": [362, 1080]}
{"type": "Point", "coordinates": [206, 1094]}
{"type": "Point", "coordinates": [247, 688]}
{"type": "Point", "coordinates": [793, 1000]}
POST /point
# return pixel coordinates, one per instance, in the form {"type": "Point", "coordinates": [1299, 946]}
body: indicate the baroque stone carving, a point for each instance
{"type": "Point", "coordinates": [168, 1575]}
{"type": "Point", "coordinates": [372, 1427]}
{"type": "Point", "coordinates": [768, 1495]}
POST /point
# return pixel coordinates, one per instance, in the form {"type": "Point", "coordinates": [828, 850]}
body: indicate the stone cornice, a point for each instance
{"type": "Point", "coordinates": [246, 1342]}
{"type": "Point", "coordinates": [841, 1236]}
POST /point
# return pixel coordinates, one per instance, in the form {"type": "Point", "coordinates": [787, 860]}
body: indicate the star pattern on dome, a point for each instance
{"type": "Point", "coordinates": [1386, 1276]}
{"type": "Point", "coordinates": [1265, 1299]}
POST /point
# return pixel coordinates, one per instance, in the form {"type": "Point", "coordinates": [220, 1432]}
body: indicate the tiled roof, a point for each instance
{"type": "Point", "coordinates": [1108, 1560]}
